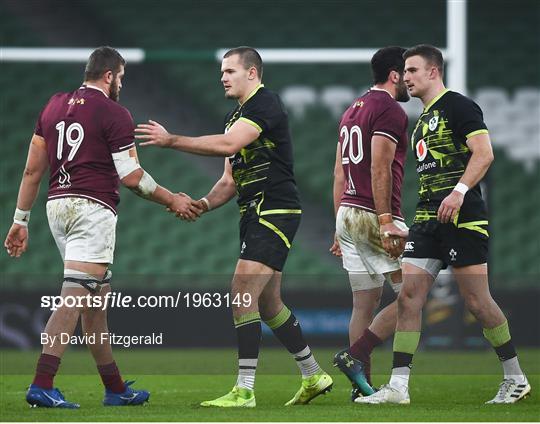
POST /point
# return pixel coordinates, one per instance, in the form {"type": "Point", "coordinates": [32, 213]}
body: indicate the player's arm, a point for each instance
{"type": "Point", "coordinates": [140, 182]}
{"type": "Point", "coordinates": [239, 135]}
{"type": "Point", "coordinates": [36, 164]}
{"type": "Point", "coordinates": [383, 151]}
{"type": "Point", "coordinates": [479, 163]}
{"type": "Point", "coordinates": [339, 188]}
{"type": "Point", "coordinates": [339, 180]}
{"type": "Point", "coordinates": [223, 191]}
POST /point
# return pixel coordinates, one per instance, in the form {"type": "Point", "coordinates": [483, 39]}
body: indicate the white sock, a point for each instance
{"type": "Point", "coordinates": [512, 370]}
{"type": "Point", "coordinates": [400, 378]}
{"type": "Point", "coordinates": [246, 373]}
{"type": "Point", "coordinates": [307, 363]}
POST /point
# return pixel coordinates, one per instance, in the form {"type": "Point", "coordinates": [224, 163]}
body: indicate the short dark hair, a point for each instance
{"type": "Point", "coordinates": [102, 60]}
{"type": "Point", "coordinates": [430, 53]}
{"type": "Point", "coordinates": [249, 57]}
{"type": "Point", "coordinates": [386, 60]}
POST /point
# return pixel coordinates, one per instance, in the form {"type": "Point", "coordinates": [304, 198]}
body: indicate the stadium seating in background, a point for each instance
{"type": "Point", "coordinates": [337, 98]}
{"type": "Point", "coordinates": [298, 98]}
{"type": "Point", "coordinates": [513, 121]}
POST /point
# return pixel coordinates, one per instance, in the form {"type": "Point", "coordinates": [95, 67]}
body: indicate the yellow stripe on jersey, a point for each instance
{"type": "Point", "coordinates": [472, 134]}
{"type": "Point", "coordinates": [250, 122]}
{"type": "Point", "coordinates": [435, 99]}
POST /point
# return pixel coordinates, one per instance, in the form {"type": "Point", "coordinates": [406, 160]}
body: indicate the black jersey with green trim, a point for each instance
{"type": "Point", "coordinates": [263, 170]}
{"type": "Point", "coordinates": [439, 141]}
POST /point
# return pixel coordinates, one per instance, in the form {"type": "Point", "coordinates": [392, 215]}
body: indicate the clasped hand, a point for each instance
{"type": "Point", "coordinates": [185, 208]}
{"type": "Point", "coordinates": [393, 239]}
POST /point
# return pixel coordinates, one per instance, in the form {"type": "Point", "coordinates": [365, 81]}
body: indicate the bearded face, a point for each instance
{"type": "Point", "coordinates": [402, 93]}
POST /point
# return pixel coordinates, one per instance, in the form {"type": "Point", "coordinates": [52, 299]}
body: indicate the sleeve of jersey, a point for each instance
{"type": "Point", "coordinates": [39, 125]}
{"type": "Point", "coordinates": [469, 119]}
{"type": "Point", "coordinates": [39, 130]}
{"type": "Point", "coordinates": [119, 129]}
{"type": "Point", "coordinates": [262, 114]}
{"type": "Point", "coordinates": [390, 123]}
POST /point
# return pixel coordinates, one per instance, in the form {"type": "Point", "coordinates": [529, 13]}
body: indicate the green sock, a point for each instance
{"type": "Point", "coordinates": [406, 341]}
{"type": "Point", "coordinates": [499, 335]}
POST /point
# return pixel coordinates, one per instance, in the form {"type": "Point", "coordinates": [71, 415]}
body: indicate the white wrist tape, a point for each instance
{"type": "Point", "coordinates": [21, 217]}
{"type": "Point", "coordinates": [205, 200]}
{"type": "Point", "coordinates": [124, 163]}
{"type": "Point", "coordinates": [146, 186]}
{"type": "Point", "coordinates": [461, 188]}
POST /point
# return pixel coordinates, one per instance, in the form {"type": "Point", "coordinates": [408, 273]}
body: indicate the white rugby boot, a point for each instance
{"type": "Point", "coordinates": [511, 392]}
{"type": "Point", "coordinates": [386, 394]}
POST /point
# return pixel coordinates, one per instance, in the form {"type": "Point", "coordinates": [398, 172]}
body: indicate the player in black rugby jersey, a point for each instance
{"type": "Point", "coordinates": [259, 169]}
{"type": "Point", "coordinates": [453, 153]}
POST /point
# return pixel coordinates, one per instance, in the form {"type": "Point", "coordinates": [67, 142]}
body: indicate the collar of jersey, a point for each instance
{"type": "Point", "coordinates": [251, 94]}
{"type": "Point", "coordinates": [381, 89]}
{"type": "Point", "coordinates": [95, 88]}
{"type": "Point", "coordinates": [435, 99]}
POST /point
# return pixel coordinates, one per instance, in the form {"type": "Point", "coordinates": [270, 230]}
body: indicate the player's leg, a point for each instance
{"type": "Point", "coordinates": [473, 285]}
{"type": "Point", "coordinates": [355, 361]}
{"type": "Point", "coordinates": [368, 266]}
{"type": "Point", "coordinates": [287, 329]}
{"type": "Point", "coordinates": [418, 277]}
{"type": "Point", "coordinates": [249, 280]}
{"type": "Point", "coordinates": [59, 329]}
{"type": "Point", "coordinates": [417, 282]}
{"type": "Point", "coordinates": [381, 327]}
{"type": "Point", "coordinates": [384, 323]}
{"type": "Point", "coordinates": [365, 303]}
{"type": "Point", "coordinates": [94, 323]}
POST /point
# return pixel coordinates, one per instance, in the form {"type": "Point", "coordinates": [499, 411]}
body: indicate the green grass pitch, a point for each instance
{"type": "Point", "coordinates": [444, 387]}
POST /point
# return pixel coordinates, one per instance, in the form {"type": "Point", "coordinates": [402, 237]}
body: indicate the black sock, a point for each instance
{"type": "Point", "coordinates": [248, 330]}
{"type": "Point", "coordinates": [402, 359]}
{"type": "Point", "coordinates": [506, 351]}
{"type": "Point", "coordinates": [287, 329]}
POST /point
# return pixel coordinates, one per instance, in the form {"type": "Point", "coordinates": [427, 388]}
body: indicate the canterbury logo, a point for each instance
{"type": "Point", "coordinates": [64, 180]}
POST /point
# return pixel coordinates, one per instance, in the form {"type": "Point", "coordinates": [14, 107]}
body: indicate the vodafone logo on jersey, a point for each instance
{"type": "Point", "coordinates": [421, 150]}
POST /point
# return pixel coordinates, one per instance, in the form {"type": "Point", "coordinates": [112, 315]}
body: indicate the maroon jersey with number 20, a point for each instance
{"type": "Point", "coordinates": [375, 113]}
{"type": "Point", "coordinates": [81, 130]}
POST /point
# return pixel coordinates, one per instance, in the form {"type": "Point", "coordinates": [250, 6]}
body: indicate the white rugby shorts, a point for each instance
{"type": "Point", "coordinates": [83, 230]}
{"type": "Point", "coordinates": [357, 231]}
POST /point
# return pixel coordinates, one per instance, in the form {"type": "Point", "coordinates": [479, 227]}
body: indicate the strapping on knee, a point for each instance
{"type": "Point", "coordinates": [396, 285]}
{"type": "Point", "coordinates": [365, 281]}
{"type": "Point", "coordinates": [75, 279]}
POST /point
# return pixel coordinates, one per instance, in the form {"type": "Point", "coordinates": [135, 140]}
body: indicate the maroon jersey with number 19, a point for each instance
{"type": "Point", "coordinates": [375, 113]}
{"type": "Point", "coordinates": [81, 130]}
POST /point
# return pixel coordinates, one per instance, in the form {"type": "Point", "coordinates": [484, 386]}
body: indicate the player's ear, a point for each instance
{"type": "Point", "coordinates": [108, 76]}
{"type": "Point", "coordinates": [252, 73]}
{"type": "Point", "coordinates": [394, 77]}
{"type": "Point", "coordinates": [433, 73]}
